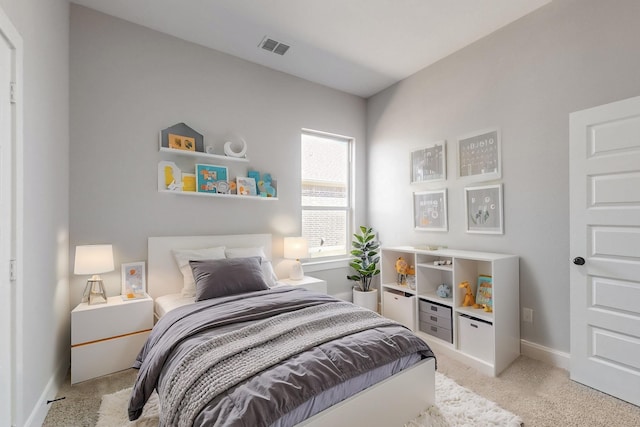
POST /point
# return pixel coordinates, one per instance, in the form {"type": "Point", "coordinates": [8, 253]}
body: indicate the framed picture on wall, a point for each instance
{"type": "Point", "coordinates": [479, 157]}
{"type": "Point", "coordinates": [483, 206]}
{"type": "Point", "coordinates": [210, 177]}
{"type": "Point", "coordinates": [133, 280]}
{"type": "Point", "coordinates": [430, 210]}
{"type": "Point", "coordinates": [246, 186]}
{"type": "Point", "coordinates": [429, 164]}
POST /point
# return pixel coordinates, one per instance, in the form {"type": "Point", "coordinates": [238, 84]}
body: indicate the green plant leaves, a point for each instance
{"type": "Point", "coordinates": [365, 250]}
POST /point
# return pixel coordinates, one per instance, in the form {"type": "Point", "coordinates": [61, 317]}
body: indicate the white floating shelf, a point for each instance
{"type": "Point", "coordinates": [199, 154]}
{"type": "Point", "coordinates": [228, 196]}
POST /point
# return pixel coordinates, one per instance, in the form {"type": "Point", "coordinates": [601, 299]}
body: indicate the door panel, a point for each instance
{"type": "Point", "coordinates": [614, 189]}
{"type": "Point", "coordinates": [618, 135]}
{"type": "Point", "coordinates": [605, 230]}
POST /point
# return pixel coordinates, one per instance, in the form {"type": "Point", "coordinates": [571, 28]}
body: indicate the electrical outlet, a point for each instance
{"type": "Point", "coordinates": [527, 315]}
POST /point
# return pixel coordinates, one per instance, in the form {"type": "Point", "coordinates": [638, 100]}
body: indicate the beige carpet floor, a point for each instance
{"type": "Point", "coordinates": [541, 395]}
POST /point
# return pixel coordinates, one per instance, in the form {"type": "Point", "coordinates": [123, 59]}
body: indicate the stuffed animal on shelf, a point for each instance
{"type": "Point", "coordinates": [469, 299]}
{"type": "Point", "coordinates": [401, 269]}
{"type": "Point", "coordinates": [444, 291]}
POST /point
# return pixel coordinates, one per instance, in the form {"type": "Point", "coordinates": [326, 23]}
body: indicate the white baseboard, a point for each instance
{"type": "Point", "coordinates": [40, 410]}
{"type": "Point", "coordinates": [548, 355]}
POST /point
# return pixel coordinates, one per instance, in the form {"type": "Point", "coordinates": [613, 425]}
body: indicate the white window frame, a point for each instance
{"type": "Point", "coordinates": [322, 262]}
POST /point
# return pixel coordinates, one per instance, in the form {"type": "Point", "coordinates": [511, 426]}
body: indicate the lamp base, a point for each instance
{"type": "Point", "coordinates": [94, 292]}
{"type": "Point", "coordinates": [296, 272]}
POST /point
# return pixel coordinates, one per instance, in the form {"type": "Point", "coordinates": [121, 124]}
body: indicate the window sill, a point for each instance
{"type": "Point", "coordinates": [331, 264]}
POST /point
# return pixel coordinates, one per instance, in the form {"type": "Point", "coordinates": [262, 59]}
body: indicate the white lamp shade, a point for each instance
{"type": "Point", "coordinates": [93, 259]}
{"type": "Point", "coordinates": [295, 248]}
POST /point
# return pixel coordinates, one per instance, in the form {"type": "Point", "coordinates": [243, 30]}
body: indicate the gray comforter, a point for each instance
{"type": "Point", "coordinates": [277, 388]}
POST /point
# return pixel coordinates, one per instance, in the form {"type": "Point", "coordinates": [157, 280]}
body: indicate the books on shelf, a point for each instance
{"type": "Point", "coordinates": [484, 293]}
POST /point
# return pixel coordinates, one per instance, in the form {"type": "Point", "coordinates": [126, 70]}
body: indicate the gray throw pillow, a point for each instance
{"type": "Point", "coordinates": [222, 277]}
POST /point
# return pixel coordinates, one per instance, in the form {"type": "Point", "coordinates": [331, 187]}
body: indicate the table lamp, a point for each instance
{"type": "Point", "coordinates": [296, 248]}
{"type": "Point", "coordinates": [93, 260]}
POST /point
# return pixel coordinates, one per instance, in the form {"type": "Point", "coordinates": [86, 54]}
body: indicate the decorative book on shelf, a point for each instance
{"type": "Point", "coordinates": [484, 295]}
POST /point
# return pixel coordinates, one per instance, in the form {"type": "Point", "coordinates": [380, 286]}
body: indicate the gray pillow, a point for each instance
{"type": "Point", "coordinates": [222, 277]}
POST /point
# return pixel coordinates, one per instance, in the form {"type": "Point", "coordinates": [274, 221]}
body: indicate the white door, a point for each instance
{"type": "Point", "coordinates": [5, 231]}
{"type": "Point", "coordinates": [605, 247]}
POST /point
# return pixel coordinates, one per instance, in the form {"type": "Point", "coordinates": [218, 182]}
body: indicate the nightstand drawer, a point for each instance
{"type": "Point", "coordinates": [97, 322]}
{"type": "Point", "coordinates": [104, 357]}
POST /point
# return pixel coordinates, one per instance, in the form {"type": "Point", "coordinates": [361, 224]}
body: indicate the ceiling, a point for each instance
{"type": "Point", "coordinates": [356, 46]}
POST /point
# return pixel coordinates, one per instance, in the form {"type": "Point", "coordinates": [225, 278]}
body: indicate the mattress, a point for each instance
{"type": "Point", "coordinates": [166, 303]}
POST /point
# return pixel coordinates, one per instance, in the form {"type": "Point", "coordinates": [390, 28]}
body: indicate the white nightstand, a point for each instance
{"type": "Point", "coordinates": [307, 282]}
{"type": "Point", "coordinates": [106, 338]}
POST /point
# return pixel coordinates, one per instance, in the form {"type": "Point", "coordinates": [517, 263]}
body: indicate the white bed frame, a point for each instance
{"type": "Point", "coordinates": [391, 402]}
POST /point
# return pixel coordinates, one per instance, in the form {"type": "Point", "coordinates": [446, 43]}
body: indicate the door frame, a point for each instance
{"type": "Point", "coordinates": [12, 298]}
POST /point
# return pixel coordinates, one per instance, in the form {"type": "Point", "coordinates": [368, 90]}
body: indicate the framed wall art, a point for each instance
{"type": "Point", "coordinates": [479, 157]}
{"type": "Point", "coordinates": [181, 137]}
{"type": "Point", "coordinates": [430, 210]}
{"type": "Point", "coordinates": [133, 280]}
{"type": "Point", "coordinates": [429, 164]}
{"type": "Point", "coordinates": [483, 206]}
{"type": "Point", "coordinates": [246, 186]}
{"type": "Point", "coordinates": [211, 179]}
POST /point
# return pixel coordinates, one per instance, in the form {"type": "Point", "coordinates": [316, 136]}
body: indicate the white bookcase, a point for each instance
{"type": "Point", "coordinates": [488, 341]}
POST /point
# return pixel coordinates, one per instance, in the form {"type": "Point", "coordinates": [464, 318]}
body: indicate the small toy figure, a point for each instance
{"type": "Point", "coordinates": [444, 291]}
{"type": "Point", "coordinates": [469, 299]}
{"type": "Point", "coordinates": [487, 308]}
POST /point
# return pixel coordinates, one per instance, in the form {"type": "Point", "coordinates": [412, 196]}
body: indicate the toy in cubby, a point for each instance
{"type": "Point", "coordinates": [469, 298]}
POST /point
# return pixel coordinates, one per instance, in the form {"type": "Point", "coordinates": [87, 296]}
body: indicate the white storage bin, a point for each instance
{"type": "Point", "coordinates": [399, 308]}
{"type": "Point", "coordinates": [475, 338]}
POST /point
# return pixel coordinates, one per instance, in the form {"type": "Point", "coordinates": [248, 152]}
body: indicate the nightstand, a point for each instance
{"type": "Point", "coordinates": [307, 282]}
{"type": "Point", "coordinates": [106, 338]}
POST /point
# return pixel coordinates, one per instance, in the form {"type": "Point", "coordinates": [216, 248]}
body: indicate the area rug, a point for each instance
{"type": "Point", "coordinates": [455, 407]}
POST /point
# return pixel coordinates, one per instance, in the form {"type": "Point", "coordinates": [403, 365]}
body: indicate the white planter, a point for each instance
{"type": "Point", "coordinates": [366, 299]}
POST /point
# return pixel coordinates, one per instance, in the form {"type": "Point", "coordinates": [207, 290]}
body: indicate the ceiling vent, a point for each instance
{"type": "Point", "coordinates": [274, 46]}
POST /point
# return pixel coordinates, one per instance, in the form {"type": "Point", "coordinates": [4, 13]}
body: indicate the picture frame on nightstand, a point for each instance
{"type": "Point", "coordinates": [134, 283]}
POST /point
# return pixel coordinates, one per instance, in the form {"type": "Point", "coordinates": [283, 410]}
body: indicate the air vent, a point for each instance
{"type": "Point", "coordinates": [274, 46]}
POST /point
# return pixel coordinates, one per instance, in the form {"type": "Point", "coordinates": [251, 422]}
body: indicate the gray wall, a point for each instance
{"type": "Point", "coordinates": [42, 324]}
{"type": "Point", "coordinates": [128, 83]}
{"type": "Point", "coordinates": [524, 79]}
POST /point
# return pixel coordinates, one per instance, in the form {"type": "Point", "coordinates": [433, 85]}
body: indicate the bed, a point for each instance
{"type": "Point", "coordinates": [349, 367]}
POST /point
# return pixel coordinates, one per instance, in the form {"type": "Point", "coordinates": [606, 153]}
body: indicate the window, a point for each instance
{"type": "Point", "coordinates": [326, 193]}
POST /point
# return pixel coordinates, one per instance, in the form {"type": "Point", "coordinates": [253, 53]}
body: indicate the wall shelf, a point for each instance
{"type": "Point", "coordinates": [201, 155]}
{"type": "Point", "coordinates": [228, 196]}
{"type": "Point", "coordinates": [187, 165]}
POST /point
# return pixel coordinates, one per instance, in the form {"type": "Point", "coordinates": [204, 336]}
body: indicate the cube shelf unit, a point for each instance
{"type": "Point", "coordinates": [488, 341]}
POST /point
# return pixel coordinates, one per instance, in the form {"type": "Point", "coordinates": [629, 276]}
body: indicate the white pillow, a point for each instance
{"type": "Point", "coordinates": [267, 268]}
{"type": "Point", "coordinates": [183, 256]}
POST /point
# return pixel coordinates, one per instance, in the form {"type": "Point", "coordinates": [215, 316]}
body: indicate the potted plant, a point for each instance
{"type": "Point", "coordinates": [365, 263]}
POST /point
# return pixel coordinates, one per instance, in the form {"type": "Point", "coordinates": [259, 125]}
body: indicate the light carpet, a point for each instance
{"type": "Point", "coordinates": [455, 407]}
